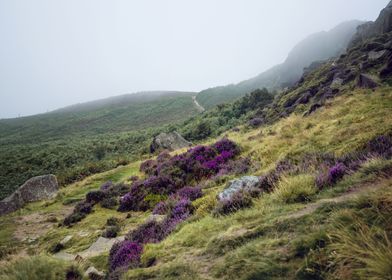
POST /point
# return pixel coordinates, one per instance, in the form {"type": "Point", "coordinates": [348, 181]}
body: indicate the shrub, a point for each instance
{"type": "Point", "coordinates": [109, 202]}
{"type": "Point", "coordinates": [296, 188]}
{"type": "Point", "coordinates": [111, 231]}
{"type": "Point", "coordinates": [112, 221]}
{"type": "Point", "coordinates": [336, 172]}
{"type": "Point", "coordinates": [237, 201]}
{"type": "Point", "coordinates": [106, 186]}
{"type": "Point", "coordinates": [380, 146]}
{"type": "Point", "coordinates": [255, 122]}
{"type": "Point", "coordinates": [160, 209]}
{"type": "Point", "coordinates": [95, 196]}
{"type": "Point", "coordinates": [83, 207]}
{"type": "Point", "coordinates": [124, 254]}
{"type": "Point", "coordinates": [149, 232]}
{"type": "Point", "coordinates": [159, 185]}
{"type": "Point", "coordinates": [73, 273]}
{"type": "Point", "coordinates": [226, 145]}
{"type": "Point", "coordinates": [191, 193]}
{"type": "Point", "coordinates": [182, 209]}
{"type": "Point", "coordinates": [148, 167]}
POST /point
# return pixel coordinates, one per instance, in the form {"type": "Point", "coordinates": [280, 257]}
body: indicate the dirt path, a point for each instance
{"type": "Point", "coordinates": [351, 194]}
{"type": "Point", "coordinates": [198, 106]}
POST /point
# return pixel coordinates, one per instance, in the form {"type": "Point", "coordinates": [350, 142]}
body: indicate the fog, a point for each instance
{"type": "Point", "coordinates": [56, 53]}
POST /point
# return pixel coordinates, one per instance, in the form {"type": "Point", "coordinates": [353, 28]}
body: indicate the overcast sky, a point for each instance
{"type": "Point", "coordinates": [56, 53]}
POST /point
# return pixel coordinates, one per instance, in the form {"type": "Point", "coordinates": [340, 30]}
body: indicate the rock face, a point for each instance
{"type": "Point", "coordinates": [168, 141]}
{"type": "Point", "coordinates": [366, 81]}
{"type": "Point", "coordinates": [234, 186]}
{"type": "Point", "coordinates": [382, 25]}
{"type": "Point", "coordinates": [35, 189]}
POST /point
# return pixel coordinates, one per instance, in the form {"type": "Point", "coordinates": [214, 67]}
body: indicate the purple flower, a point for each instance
{"type": "Point", "coordinates": [336, 172]}
{"type": "Point", "coordinates": [124, 254]}
{"type": "Point", "coordinates": [191, 193]}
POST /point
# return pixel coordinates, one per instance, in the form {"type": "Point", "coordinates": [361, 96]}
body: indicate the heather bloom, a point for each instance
{"type": "Point", "coordinates": [160, 209]}
{"type": "Point", "coordinates": [106, 186]}
{"type": "Point", "coordinates": [124, 254]}
{"type": "Point", "coordinates": [191, 193]}
{"type": "Point", "coordinates": [149, 232]}
{"type": "Point", "coordinates": [182, 210]}
{"type": "Point", "coordinates": [226, 145]}
{"type": "Point", "coordinates": [336, 172]}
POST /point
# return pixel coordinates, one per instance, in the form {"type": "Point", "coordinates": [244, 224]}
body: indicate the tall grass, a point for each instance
{"type": "Point", "coordinates": [34, 268]}
{"type": "Point", "coordinates": [296, 188]}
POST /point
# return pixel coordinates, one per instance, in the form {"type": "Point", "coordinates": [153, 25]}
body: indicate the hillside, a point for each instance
{"type": "Point", "coordinates": [86, 138]}
{"type": "Point", "coordinates": [317, 47]}
{"type": "Point", "coordinates": [316, 202]}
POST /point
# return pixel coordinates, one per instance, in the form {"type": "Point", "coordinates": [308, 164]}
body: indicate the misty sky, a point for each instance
{"type": "Point", "coordinates": [56, 53]}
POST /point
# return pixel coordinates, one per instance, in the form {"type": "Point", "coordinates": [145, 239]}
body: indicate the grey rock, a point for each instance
{"type": "Point", "coordinates": [102, 245]}
{"type": "Point", "coordinates": [66, 240]}
{"type": "Point", "coordinates": [94, 273]}
{"type": "Point", "coordinates": [168, 141]}
{"type": "Point", "coordinates": [64, 256]}
{"type": "Point", "coordinates": [245, 183]}
{"type": "Point", "coordinates": [34, 189]}
{"type": "Point", "coordinates": [156, 217]}
{"type": "Point", "coordinates": [373, 55]}
{"type": "Point", "coordinates": [337, 82]}
{"type": "Point", "coordinates": [366, 81]}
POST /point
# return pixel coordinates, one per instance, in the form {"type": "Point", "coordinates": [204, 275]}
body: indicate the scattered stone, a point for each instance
{"type": "Point", "coordinates": [64, 256]}
{"type": "Point", "coordinates": [102, 245]}
{"type": "Point", "coordinates": [83, 233]}
{"type": "Point", "coordinates": [373, 55]}
{"type": "Point", "coordinates": [168, 141]}
{"type": "Point", "coordinates": [94, 274]}
{"type": "Point", "coordinates": [34, 189]}
{"type": "Point", "coordinates": [234, 186]}
{"type": "Point", "coordinates": [337, 82]}
{"type": "Point", "coordinates": [366, 81]}
{"type": "Point", "coordinates": [156, 217]}
{"type": "Point", "coordinates": [66, 240]}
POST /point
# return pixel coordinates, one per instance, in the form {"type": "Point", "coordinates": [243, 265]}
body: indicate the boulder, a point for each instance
{"type": "Point", "coordinates": [168, 141]}
{"type": "Point", "coordinates": [245, 183]}
{"type": "Point", "coordinates": [373, 55]}
{"type": "Point", "coordinates": [100, 246]}
{"type": "Point", "coordinates": [366, 81]}
{"type": "Point", "coordinates": [35, 189]}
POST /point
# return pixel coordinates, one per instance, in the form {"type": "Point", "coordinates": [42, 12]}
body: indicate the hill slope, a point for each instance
{"type": "Point", "coordinates": [86, 138]}
{"type": "Point", "coordinates": [316, 47]}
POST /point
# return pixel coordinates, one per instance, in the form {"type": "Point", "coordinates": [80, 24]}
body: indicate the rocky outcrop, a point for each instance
{"type": "Point", "coordinates": [382, 25]}
{"type": "Point", "coordinates": [168, 141]}
{"type": "Point", "coordinates": [366, 81]}
{"type": "Point", "coordinates": [35, 189]}
{"type": "Point", "coordinates": [246, 183]}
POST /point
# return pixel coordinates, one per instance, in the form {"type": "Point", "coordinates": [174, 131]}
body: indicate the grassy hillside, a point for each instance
{"type": "Point", "coordinates": [88, 138]}
{"type": "Point", "coordinates": [269, 240]}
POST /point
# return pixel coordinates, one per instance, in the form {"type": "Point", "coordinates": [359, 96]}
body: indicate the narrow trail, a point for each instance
{"type": "Point", "coordinates": [198, 106]}
{"type": "Point", "coordinates": [351, 194]}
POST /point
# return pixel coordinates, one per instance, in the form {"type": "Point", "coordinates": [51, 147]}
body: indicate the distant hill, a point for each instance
{"type": "Point", "coordinates": [86, 138]}
{"type": "Point", "coordinates": [114, 114]}
{"type": "Point", "coordinates": [319, 46]}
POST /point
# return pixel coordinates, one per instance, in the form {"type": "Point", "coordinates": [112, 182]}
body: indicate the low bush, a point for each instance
{"type": "Point", "coordinates": [124, 254]}
{"type": "Point", "coordinates": [297, 188]}
{"type": "Point", "coordinates": [109, 202]}
{"type": "Point", "coordinates": [111, 231]}
{"type": "Point", "coordinates": [95, 196]}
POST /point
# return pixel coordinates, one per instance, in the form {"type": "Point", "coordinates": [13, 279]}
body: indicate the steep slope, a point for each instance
{"type": "Point", "coordinates": [316, 47]}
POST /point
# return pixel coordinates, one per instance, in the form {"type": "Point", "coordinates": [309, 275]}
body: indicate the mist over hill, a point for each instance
{"type": "Point", "coordinates": [319, 46]}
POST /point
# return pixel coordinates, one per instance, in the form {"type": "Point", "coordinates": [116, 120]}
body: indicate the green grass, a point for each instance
{"type": "Point", "coordinates": [77, 142]}
{"type": "Point", "coordinates": [34, 268]}
{"type": "Point", "coordinates": [298, 188]}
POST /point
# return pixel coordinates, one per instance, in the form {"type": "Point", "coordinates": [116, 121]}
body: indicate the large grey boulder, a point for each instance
{"type": "Point", "coordinates": [34, 189]}
{"type": "Point", "coordinates": [245, 183]}
{"type": "Point", "coordinates": [168, 141]}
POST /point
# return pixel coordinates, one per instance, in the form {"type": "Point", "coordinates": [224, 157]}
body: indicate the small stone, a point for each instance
{"type": "Point", "coordinates": [94, 273]}
{"type": "Point", "coordinates": [66, 240]}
